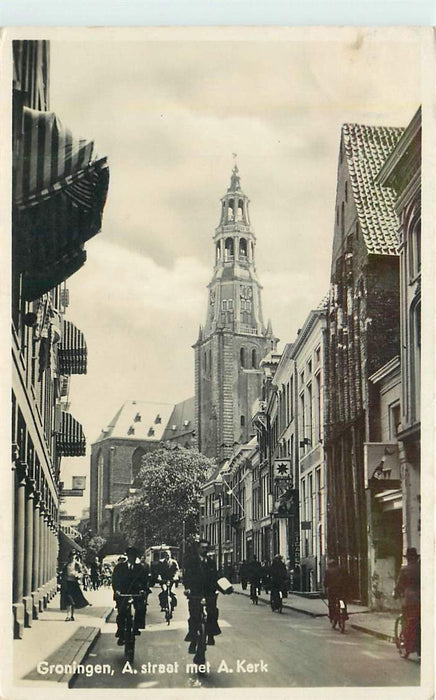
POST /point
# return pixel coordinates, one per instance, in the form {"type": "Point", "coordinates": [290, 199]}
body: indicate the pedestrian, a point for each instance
{"type": "Point", "coordinates": [71, 593]}
{"type": "Point", "coordinates": [130, 577]}
{"type": "Point", "coordinates": [337, 583]}
{"type": "Point", "coordinates": [408, 588]}
{"type": "Point", "coordinates": [200, 580]}
{"type": "Point", "coordinates": [95, 571]}
{"type": "Point", "coordinates": [266, 577]}
{"type": "Point", "coordinates": [243, 574]}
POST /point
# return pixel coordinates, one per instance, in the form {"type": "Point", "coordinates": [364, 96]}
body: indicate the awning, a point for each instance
{"type": "Point", "coordinates": [66, 545]}
{"type": "Point", "coordinates": [60, 189]}
{"type": "Point", "coordinates": [72, 351]}
{"type": "Point", "coordinates": [70, 441]}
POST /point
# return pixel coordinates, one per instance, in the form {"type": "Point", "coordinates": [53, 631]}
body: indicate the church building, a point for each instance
{"type": "Point", "coordinates": [234, 339]}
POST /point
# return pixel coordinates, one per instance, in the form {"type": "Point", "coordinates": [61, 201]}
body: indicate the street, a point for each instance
{"type": "Point", "coordinates": [256, 648]}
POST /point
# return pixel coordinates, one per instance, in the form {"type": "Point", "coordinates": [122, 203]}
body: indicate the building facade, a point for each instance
{"type": "Point", "coordinates": [363, 333]}
{"type": "Point", "coordinates": [234, 338]}
{"type": "Point", "coordinates": [402, 175]}
{"type": "Point", "coordinates": [48, 236]}
{"type": "Point", "coordinates": [309, 355]}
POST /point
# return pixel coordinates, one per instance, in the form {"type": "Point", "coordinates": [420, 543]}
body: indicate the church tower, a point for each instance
{"type": "Point", "coordinates": [234, 338]}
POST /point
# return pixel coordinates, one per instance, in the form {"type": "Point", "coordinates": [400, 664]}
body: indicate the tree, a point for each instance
{"type": "Point", "coordinates": [169, 489]}
{"type": "Point", "coordinates": [95, 546]}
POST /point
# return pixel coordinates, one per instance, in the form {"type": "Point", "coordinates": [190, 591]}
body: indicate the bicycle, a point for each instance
{"type": "Point", "coordinates": [128, 632]}
{"type": "Point", "coordinates": [170, 601]}
{"type": "Point", "coordinates": [276, 600]}
{"type": "Point", "coordinates": [253, 593]}
{"type": "Point", "coordinates": [400, 639]}
{"type": "Point", "coordinates": [339, 615]}
{"type": "Point", "coordinates": [201, 644]}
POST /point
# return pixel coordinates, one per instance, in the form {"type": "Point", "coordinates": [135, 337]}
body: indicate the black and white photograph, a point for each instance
{"type": "Point", "coordinates": [215, 478]}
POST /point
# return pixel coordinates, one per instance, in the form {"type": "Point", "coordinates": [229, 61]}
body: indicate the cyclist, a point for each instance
{"type": "Point", "coordinates": [408, 588]}
{"type": "Point", "coordinates": [254, 571]}
{"type": "Point", "coordinates": [200, 581]}
{"type": "Point", "coordinates": [167, 571]}
{"type": "Point", "coordinates": [279, 576]}
{"type": "Point", "coordinates": [337, 585]}
{"type": "Point", "coordinates": [130, 577]}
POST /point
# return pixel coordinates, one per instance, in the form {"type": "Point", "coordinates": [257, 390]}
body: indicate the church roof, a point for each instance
{"type": "Point", "coordinates": [138, 420]}
{"type": "Point", "coordinates": [366, 149]}
{"type": "Point", "coordinates": [181, 421]}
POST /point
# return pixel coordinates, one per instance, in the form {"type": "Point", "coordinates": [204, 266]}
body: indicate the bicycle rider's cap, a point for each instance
{"type": "Point", "coordinates": [411, 553]}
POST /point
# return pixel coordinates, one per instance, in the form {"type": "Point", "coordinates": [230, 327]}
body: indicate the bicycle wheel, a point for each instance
{"type": "Point", "coordinates": [129, 637]}
{"type": "Point", "coordinates": [399, 637]}
{"type": "Point", "coordinates": [200, 656]}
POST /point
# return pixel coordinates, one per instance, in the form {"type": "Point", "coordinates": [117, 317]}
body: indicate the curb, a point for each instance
{"type": "Point", "coordinates": [374, 633]}
{"type": "Point", "coordinates": [285, 605]}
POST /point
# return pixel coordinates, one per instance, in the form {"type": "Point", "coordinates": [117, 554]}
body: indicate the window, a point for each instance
{"type": "Point", "coordinates": [346, 191]}
{"type": "Point", "coordinates": [342, 218]}
{"type": "Point", "coordinates": [240, 209]}
{"type": "Point", "coordinates": [318, 408]}
{"type": "Point", "coordinates": [415, 320]}
{"type": "Point", "coordinates": [242, 357]}
{"type": "Point", "coordinates": [242, 248]}
{"type": "Point", "coordinates": [150, 432]}
{"type": "Point", "coordinates": [394, 419]}
{"type": "Point", "coordinates": [224, 304]}
{"type": "Point", "coordinates": [317, 356]}
{"type": "Point", "coordinates": [254, 358]}
{"type": "Point", "coordinates": [158, 419]}
{"type": "Point", "coordinates": [242, 421]}
{"type": "Point", "coordinates": [309, 367]}
{"type": "Point", "coordinates": [415, 249]}
{"type": "Point", "coordinates": [137, 418]}
{"type": "Point", "coordinates": [229, 249]}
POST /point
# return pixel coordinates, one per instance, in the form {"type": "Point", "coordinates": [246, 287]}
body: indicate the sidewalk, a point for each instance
{"type": "Point", "coordinates": [53, 640]}
{"type": "Point", "coordinates": [379, 625]}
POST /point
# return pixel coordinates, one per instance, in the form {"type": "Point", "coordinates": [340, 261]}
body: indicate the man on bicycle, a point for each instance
{"type": "Point", "coordinates": [279, 576]}
{"type": "Point", "coordinates": [408, 588]}
{"type": "Point", "coordinates": [167, 570]}
{"type": "Point", "coordinates": [254, 571]}
{"type": "Point", "coordinates": [200, 581]}
{"type": "Point", "coordinates": [337, 586]}
{"type": "Point", "coordinates": [130, 577]}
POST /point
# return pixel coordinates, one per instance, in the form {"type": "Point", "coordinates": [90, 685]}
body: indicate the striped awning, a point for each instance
{"type": "Point", "coordinates": [70, 441]}
{"type": "Point", "coordinates": [60, 189]}
{"type": "Point", "coordinates": [72, 351]}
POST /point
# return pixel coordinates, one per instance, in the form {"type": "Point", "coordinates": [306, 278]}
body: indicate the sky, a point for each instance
{"type": "Point", "coordinates": [169, 113]}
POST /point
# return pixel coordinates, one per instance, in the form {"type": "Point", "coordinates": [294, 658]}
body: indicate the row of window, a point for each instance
{"type": "Point", "coordinates": [229, 249]}
{"type": "Point", "coordinates": [244, 304]}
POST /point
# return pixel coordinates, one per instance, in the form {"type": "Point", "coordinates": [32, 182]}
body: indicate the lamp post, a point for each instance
{"type": "Point", "coordinates": [220, 504]}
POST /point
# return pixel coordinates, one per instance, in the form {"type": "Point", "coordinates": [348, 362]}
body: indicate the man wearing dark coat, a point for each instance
{"type": "Point", "coordinates": [408, 588]}
{"type": "Point", "coordinates": [200, 581]}
{"type": "Point", "coordinates": [130, 577]}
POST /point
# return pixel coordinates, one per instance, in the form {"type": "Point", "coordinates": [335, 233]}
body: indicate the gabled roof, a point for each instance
{"type": "Point", "coordinates": [366, 149]}
{"type": "Point", "coordinates": [138, 420]}
{"type": "Point", "coordinates": [182, 420]}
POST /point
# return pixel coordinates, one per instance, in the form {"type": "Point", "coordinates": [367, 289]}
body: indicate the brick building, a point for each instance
{"type": "Point", "coordinates": [116, 456]}
{"type": "Point", "coordinates": [363, 333]}
{"type": "Point", "coordinates": [234, 339]}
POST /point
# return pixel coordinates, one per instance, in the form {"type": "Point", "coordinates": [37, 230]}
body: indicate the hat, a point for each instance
{"type": "Point", "coordinates": [133, 550]}
{"type": "Point", "coordinates": [411, 553]}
